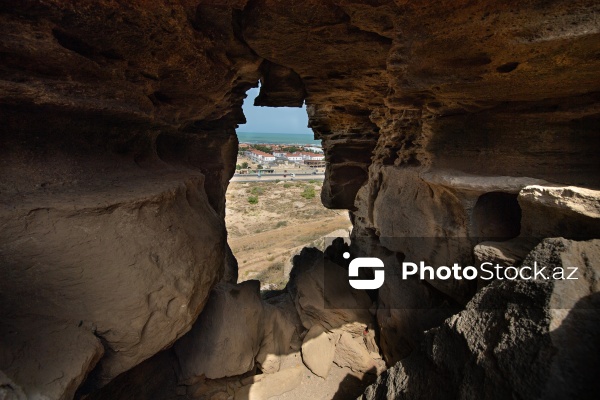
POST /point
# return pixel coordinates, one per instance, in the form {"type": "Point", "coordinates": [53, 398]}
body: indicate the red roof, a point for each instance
{"type": "Point", "coordinates": [261, 153]}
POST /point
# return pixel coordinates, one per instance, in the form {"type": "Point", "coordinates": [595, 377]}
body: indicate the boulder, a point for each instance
{"type": "Point", "coordinates": [89, 255]}
{"type": "Point", "coordinates": [227, 336]}
{"type": "Point", "coordinates": [43, 358]}
{"type": "Point", "coordinates": [569, 211]}
{"type": "Point", "coordinates": [318, 350]}
{"type": "Point", "coordinates": [322, 294]}
{"type": "Point", "coordinates": [516, 339]}
{"type": "Point", "coordinates": [352, 353]}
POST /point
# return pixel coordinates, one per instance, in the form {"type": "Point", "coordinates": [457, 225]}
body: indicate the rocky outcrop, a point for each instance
{"type": "Point", "coordinates": [466, 123]}
{"type": "Point", "coordinates": [100, 244]}
{"type": "Point", "coordinates": [528, 339]}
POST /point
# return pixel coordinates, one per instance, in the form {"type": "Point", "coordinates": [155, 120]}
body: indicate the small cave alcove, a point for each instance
{"type": "Point", "coordinates": [496, 216]}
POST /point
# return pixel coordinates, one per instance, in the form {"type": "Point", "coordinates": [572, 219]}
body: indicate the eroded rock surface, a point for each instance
{"type": "Point", "coordinates": [529, 339]}
{"type": "Point", "coordinates": [446, 120]}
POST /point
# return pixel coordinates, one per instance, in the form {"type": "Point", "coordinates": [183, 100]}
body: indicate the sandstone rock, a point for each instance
{"type": "Point", "coordinates": [323, 296]}
{"type": "Point", "coordinates": [264, 387]}
{"type": "Point", "coordinates": [155, 378]}
{"type": "Point", "coordinates": [281, 327]}
{"type": "Point", "coordinates": [226, 337]}
{"type": "Point", "coordinates": [529, 339]}
{"type": "Point", "coordinates": [434, 223]}
{"type": "Point", "coordinates": [507, 253]}
{"type": "Point", "coordinates": [45, 358]}
{"type": "Point", "coordinates": [478, 88]}
{"type": "Point", "coordinates": [318, 350]}
{"type": "Point", "coordinates": [353, 354]}
{"type": "Point", "coordinates": [90, 256]}
{"type": "Point", "coordinates": [571, 212]}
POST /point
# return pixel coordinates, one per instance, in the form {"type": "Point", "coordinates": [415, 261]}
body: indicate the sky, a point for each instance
{"type": "Point", "coordinates": [273, 119]}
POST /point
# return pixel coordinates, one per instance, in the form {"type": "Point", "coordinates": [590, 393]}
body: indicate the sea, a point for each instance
{"type": "Point", "coordinates": [277, 138]}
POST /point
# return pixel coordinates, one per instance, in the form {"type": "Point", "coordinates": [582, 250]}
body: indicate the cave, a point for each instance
{"type": "Point", "coordinates": [497, 216]}
{"type": "Point", "coordinates": [437, 120]}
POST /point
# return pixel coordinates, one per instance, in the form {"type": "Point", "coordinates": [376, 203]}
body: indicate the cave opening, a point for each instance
{"type": "Point", "coordinates": [497, 216]}
{"type": "Point", "coordinates": [273, 206]}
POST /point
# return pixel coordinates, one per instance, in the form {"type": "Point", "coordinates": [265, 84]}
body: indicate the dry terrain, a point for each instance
{"type": "Point", "coordinates": [269, 222]}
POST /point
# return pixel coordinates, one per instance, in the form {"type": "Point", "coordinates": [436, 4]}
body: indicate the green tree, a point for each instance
{"type": "Point", "coordinates": [244, 165]}
{"type": "Point", "coordinates": [259, 166]}
{"type": "Point", "coordinates": [266, 149]}
{"type": "Point", "coordinates": [238, 167]}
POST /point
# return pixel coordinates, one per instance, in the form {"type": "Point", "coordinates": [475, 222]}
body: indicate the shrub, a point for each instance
{"type": "Point", "coordinates": [281, 224]}
{"type": "Point", "coordinates": [308, 193]}
{"type": "Point", "coordinates": [287, 185]}
{"type": "Point", "coordinates": [257, 190]}
{"type": "Point", "coordinates": [253, 199]}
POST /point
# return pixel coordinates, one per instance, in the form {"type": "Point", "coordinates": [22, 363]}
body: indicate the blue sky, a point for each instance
{"type": "Point", "coordinates": [273, 119]}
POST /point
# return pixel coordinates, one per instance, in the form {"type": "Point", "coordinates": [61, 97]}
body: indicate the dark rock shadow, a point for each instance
{"type": "Point", "coordinates": [518, 356]}
{"type": "Point", "coordinates": [352, 387]}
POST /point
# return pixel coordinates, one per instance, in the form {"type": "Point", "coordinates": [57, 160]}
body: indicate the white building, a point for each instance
{"type": "Point", "coordinates": [312, 156]}
{"type": "Point", "coordinates": [260, 156]}
{"type": "Point", "coordinates": [294, 157]}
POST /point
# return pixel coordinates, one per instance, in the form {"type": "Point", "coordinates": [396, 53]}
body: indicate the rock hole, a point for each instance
{"type": "Point", "coordinates": [157, 98]}
{"type": "Point", "coordinates": [497, 216]}
{"type": "Point", "coordinates": [73, 43]}
{"type": "Point", "coordinates": [508, 67]}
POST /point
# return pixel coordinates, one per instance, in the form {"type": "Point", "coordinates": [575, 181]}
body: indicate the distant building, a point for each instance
{"type": "Point", "coordinates": [312, 156]}
{"type": "Point", "coordinates": [315, 163]}
{"type": "Point", "coordinates": [259, 156]}
{"type": "Point", "coordinates": [294, 157]}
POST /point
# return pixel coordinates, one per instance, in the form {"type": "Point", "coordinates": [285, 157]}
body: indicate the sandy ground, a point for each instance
{"type": "Point", "coordinates": [266, 235]}
{"type": "Point", "coordinates": [341, 384]}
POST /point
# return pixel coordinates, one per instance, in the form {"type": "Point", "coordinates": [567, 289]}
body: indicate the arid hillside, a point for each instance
{"type": "Point", "coordinates": [269, 222]}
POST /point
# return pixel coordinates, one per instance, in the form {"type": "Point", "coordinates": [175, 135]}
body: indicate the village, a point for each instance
{"type": "Point", "coordinates": [273, 158]}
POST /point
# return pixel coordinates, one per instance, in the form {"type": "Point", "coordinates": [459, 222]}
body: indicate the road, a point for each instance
{"type": "Point", "coordinates": [276, 177]}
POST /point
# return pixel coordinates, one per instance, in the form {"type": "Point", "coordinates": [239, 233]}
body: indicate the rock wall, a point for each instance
{"type": "Point", "coordinates": [444, 120]}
